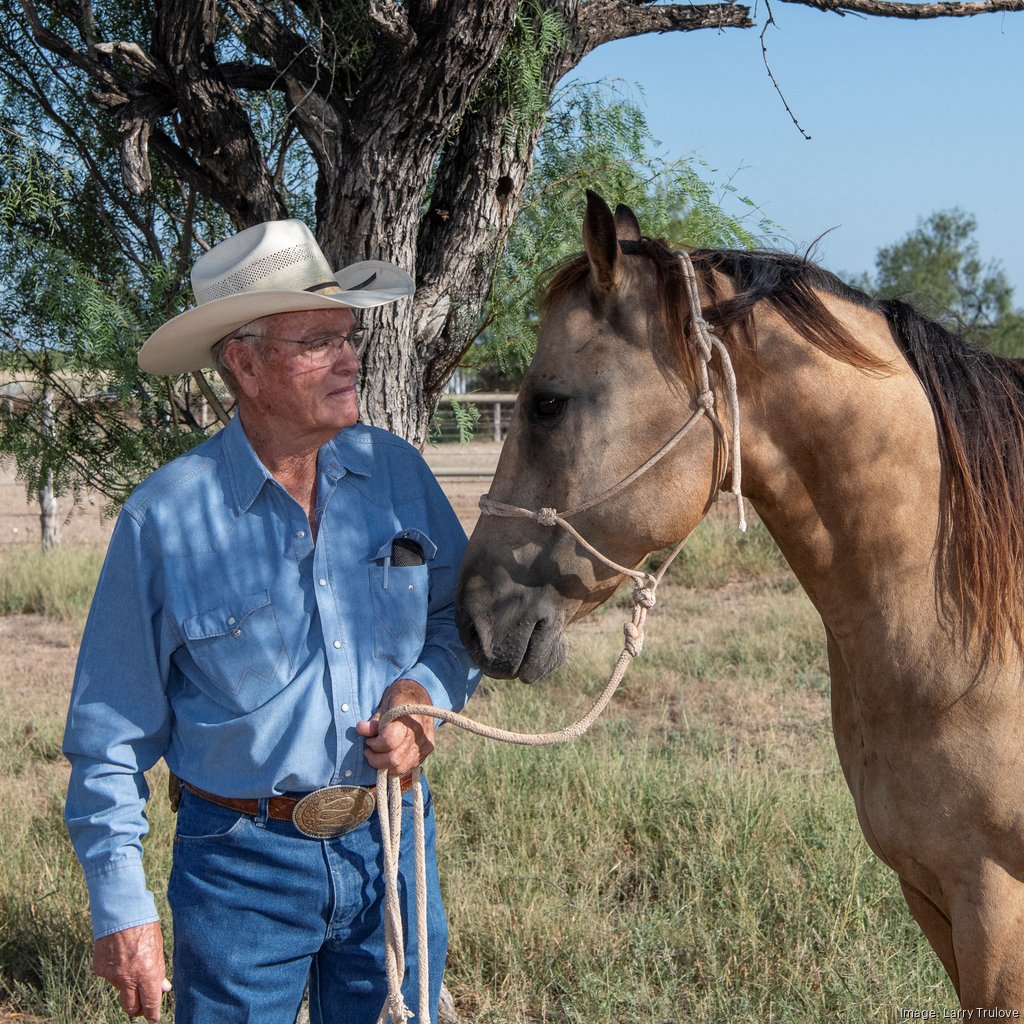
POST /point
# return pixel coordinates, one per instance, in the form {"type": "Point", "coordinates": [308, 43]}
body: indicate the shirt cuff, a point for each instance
{"type": "Point", "coordinates": [119, 899]}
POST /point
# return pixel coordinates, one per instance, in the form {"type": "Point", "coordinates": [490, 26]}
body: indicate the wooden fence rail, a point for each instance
{"type": "Point", "coordinates": [495, 409]}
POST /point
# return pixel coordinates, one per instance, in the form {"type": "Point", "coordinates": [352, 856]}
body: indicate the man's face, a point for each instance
{"type": "Point", "coordinates": [300, 377]}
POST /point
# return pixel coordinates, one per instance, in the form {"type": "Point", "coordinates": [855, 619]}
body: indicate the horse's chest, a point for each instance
{"type": "Point", "coordinates": [922, 769]}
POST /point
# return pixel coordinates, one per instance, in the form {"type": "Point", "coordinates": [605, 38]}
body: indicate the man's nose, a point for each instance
{"type": "Point", "coordinates": [345, 357]}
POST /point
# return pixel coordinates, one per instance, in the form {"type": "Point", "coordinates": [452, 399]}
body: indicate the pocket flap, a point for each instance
{"type": "Point", "coordinates": [225, 619]}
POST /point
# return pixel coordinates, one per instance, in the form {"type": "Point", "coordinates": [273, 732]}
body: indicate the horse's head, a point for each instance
{"type": "Point", "coordinates": [614, 377]}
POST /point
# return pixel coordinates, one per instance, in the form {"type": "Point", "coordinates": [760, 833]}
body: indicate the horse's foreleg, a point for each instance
{"type": "Point", "coordinates": [988, 939]}
{"type": "Point", "coordinates": [936, 927]}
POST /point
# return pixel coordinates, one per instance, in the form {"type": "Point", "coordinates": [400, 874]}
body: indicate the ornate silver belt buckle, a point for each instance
{"type": "Point", "coordinates": [331, 812]}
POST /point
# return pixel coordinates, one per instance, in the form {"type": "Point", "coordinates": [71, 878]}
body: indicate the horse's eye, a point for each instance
{"type": "Point", "coordinates": [545, 408]}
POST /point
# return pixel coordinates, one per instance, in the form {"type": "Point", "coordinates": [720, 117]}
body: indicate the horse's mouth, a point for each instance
{"type": "Point", "coordinates": [527, 651]}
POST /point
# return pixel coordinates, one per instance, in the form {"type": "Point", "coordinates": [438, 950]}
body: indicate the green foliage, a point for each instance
{"type": "Point", "coordinates": [595, 136]}
{"type": "Point", "coordinates": [466, 416]}
{"type": "Point", "coordinates": [938, 268]}
{"type": "Point", "coordinates": [87, 271]}
{"type": "Point", "coordinates": [519, 77]}
{"type": "Point", "coordinates": [75, 314]}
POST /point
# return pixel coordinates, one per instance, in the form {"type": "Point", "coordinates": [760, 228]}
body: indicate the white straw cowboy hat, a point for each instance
{"type": "Point", "coordinates": [275, 267]}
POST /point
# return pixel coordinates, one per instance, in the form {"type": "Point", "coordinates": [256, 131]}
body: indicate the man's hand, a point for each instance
{"type": "Point", "coordinates": [133, 961]}
{"type": "Point", "coordinates": [405, 743]}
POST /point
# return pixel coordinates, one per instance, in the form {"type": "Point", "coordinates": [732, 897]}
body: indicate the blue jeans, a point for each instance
{"type": "Point", "coordinates": [259, 910]}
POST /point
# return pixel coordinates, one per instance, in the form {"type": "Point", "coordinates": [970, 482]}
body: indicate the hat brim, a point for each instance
{"type": "Point", "coordinates": [185, 342]}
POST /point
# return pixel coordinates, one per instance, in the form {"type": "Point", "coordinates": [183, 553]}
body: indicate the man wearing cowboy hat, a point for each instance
{"type": "Point", "coordinates": [264, 599]}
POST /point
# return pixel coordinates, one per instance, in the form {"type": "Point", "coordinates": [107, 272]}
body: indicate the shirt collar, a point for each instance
{"type": "Point", "coordinates": [346, 452]}
{"type": "Point", "coordinates": [247, 473]}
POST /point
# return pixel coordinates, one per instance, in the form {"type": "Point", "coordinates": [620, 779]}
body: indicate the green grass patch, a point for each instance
{"type": "Point", "coordinates": [717, 553]}
{"type": "Point", "coordinates": [645, 881]}
{"type": "Point", "coordinates": [58, 584]}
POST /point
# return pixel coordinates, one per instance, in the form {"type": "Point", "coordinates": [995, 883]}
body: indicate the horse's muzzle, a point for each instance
{"type": "Point", "coordinates": [509, 634]}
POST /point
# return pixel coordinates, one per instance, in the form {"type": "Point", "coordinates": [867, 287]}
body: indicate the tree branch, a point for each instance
{"type": "Point", "coordinates": [191, 172]}
{"type": "Point", "coordinates": [62, 48]}
{"type": "Point", "coordinates": [213, 124]}
{"type": "Point", "coordinates": [287, 50]}
{"type": "Point", "coordinates": [24, 76]}
{"type": "Point", "coordinates": [602, 21]}
{"type": "Point", "coordinates": [912, 11]}
{"type": "Point", "coordinates": [135, 57]}
{"type": "Point", "coordinates": [211, 396]}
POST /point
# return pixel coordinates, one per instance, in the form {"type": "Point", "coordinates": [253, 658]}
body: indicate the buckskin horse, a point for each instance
{"type": "Point", "coordinates": [882, 452]}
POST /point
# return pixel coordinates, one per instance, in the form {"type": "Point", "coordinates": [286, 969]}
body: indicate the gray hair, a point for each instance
{"type": "Point", "coordinates": [250, 332]}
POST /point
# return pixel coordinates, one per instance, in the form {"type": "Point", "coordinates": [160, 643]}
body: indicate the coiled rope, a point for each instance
{"type": "Point", "coordinates": [645, 585]}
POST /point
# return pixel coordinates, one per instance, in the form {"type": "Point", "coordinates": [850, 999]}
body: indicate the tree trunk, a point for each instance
{"type": "Point", "coordinates": [49, 521]}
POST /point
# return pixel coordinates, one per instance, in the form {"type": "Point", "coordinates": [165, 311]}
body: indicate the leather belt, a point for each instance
{"type": "Point", "coordinates": [322, 814]}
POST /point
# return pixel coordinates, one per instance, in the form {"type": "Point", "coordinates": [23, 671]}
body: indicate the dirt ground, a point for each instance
{"type": "Point", "coordinates": [464, 472]}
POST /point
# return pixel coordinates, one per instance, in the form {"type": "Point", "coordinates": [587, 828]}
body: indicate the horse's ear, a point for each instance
{"type": "Point", "coordinates": [601, 243]}
{"type": "Point", "coordinates": [626, 225]}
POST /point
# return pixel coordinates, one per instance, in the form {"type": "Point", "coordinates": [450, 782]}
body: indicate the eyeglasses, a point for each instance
{"type": "Point", "coordinates": [324, 350]}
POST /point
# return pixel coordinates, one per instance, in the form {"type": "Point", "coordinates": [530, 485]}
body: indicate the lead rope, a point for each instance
{"type": "Point", "coordinates": [645, 584]}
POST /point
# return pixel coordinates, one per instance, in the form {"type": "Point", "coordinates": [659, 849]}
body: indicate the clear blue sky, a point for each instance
{"type": "Point", "coordinates": [906, 118]}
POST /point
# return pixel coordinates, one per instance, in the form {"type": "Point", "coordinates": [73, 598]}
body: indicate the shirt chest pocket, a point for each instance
{"type": "Point", "coordinates": [239, 651]}
{"type": "Point", "coordinates": [399, 595]}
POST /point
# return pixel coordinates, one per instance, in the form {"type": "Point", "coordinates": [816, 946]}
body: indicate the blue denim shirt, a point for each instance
{"type": "Point", "coordinates": [221, 639]}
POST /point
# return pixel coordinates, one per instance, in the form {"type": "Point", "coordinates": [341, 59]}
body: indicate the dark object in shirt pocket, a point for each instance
{"type": "Point", "coordinates": [405, 551]}
{"type": "Point", "coordinates": [399, 588]}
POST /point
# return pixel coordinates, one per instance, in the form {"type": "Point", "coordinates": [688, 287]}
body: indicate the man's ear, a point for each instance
{"type": "Point", "coordinates": [241, 359]}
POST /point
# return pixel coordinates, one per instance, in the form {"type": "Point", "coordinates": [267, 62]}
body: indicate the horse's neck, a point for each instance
{"type": "Point", "coordinates": [843, 468]}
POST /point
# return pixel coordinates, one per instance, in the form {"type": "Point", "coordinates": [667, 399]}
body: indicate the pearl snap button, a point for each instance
{"type": "Point", "coordinates": [348, 773]}
{"type": "Point", "coordinates": [301, 533]}
{"type": "Point", "coordinates": [412, 586]}
{"type": "Point", "coordinates": [344, 707]}
{"type": "Point", "coordinates": [237, 632]}
{"type": "Point", "coordinates": [231, 621]}
{"type": "Point", "coordinates": [323, 582]}
{"type": "Point", "coordinates": [337, 644]}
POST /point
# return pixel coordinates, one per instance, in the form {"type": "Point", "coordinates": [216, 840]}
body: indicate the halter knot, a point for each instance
{"type": "Point", "coordinates": [634, 639]}
{"type": "Point", "coordinates": [547, 517]}
{"type": "Point", "coordinates": [644, 597]}
{"type": "Point", "coordinates": [706, 399]}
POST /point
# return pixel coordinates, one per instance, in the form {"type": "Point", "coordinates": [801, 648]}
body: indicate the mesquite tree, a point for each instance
{"type": "Point", "coordinates": [404, 130]}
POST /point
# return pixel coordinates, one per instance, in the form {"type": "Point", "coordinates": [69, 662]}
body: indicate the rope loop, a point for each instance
{"type": "Point", "coordinates": [547, 517]}
{"type": "Point", "coordinates": [644, 596]}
